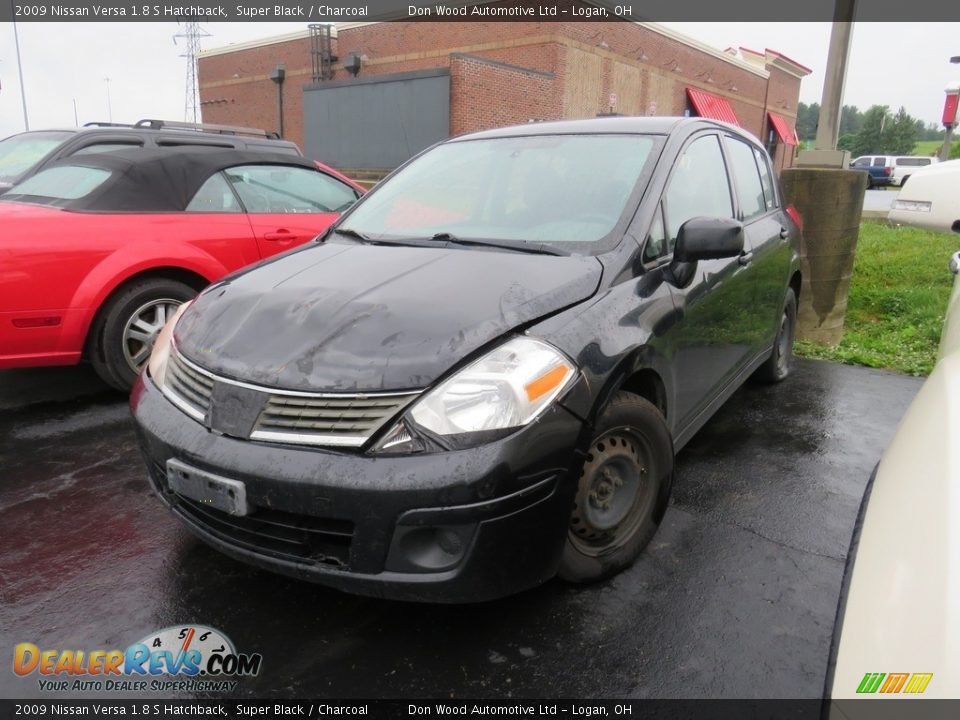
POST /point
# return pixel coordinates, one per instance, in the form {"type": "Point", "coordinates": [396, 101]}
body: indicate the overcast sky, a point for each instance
{"type": "Point", "coordinates": [892, 64]}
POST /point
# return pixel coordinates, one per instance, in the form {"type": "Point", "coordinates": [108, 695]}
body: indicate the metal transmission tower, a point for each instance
{"type": "Point", "coordinates": [191, 32]}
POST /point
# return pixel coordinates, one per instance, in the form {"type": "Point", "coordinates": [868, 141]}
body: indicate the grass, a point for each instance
{"type": "Point", "coordinates": [898, 296]}
{"type": "Point", "coordinates": [927, 147]}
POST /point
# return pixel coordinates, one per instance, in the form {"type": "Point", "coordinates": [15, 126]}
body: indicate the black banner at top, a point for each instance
{"type": "Point", "coordinates": [321, 11]}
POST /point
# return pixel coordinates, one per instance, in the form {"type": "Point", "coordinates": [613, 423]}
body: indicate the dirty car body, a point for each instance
{"type": "Point", "coordinates": [480, 375]}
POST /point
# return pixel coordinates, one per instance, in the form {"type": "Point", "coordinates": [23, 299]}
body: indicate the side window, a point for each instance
{"type": "Point", "coordinates": [214, 195]}
{"type": "Point", "coordinates": [105, 147]}
{"type": "Point", "coordinates": [656, 245]}
{"type": "Point", "coordinates": [289, 189]}
{"type": "Point", "coordinates": [879, 162]}
{"type": "Point", "coordinates": [699, 186]}
{"type": "Point", "coordinates": [749, 190]}
{"type": "Point", "coordinates": [766, 180]}
{"type": "Point", "coordinates": [861, 162]}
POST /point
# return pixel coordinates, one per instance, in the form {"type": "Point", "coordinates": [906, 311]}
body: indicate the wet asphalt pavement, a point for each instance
{"type": "Point", "coordinates": [734, 598]}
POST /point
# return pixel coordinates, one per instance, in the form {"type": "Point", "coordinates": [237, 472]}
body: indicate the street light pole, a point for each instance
{"type": "Point", "coordinates": [828, 126]}
{"type": "Point", "coordinates": [23, 91]}
{"type": "Point", "coordinates": [109, 105]}
{"type": "Point", "coordinates": [948, 136]}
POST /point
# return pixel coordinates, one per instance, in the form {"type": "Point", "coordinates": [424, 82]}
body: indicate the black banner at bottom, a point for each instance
{"type": "Point", "coordinates": [872, 709]}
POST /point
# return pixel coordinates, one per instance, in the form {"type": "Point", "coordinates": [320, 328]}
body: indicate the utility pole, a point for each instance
{"type": "Point", "coordinates": [192, 33]}
{"type": "Point", "coordinates": [23, 90]}
{"type": "Point", "coordinates": [829, 197]}
{"type": "Point", "coordinates": [831, 104]}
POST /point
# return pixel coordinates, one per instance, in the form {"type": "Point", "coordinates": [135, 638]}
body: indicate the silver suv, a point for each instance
{"type": "Point", "coordinates": [26, 153]}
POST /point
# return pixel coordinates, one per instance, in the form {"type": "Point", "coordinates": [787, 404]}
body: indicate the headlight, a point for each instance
{"type": "Point", "coordinates": [506, 388]}
{"type": "Point", "coordinates": [160, 355]}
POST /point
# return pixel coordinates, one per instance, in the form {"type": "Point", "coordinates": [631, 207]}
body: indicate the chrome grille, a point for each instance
{"type": "Point", "coordinates": [187, 387]}
{"type": "Point", "coordinates": [346, 420]}
{"type": "Point", "coordinates": [288, 416]}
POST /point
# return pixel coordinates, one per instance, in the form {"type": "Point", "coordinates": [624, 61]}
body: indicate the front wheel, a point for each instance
{"type": "Point", "coordinates": [778, 365]}
{"type": "Point", "coordinates": [128, 325]}
{"type": "Point", "coordinates": [622, 493]}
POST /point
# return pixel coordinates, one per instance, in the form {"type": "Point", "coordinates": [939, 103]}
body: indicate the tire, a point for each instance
{"type": "Point", "coordinates": [631, 450]}
{"type": "Point", "coordinates": [904, 181]}
{"type": "Point", "coordinates": [127, 325]}
{"type": "Point", "coordinates": [778, 365]}
{"type": "Point", "coordinates": [870, 182]}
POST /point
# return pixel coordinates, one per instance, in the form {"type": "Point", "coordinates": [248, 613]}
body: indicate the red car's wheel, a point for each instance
{"type": "Point", "coordinates": [128, 325]}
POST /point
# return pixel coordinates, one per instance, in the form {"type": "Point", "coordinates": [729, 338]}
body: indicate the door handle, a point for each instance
{"type": "Point", "coordinates": [784, 233]}
{"type": "Point", "coordinates": [278, 235]}
{"type": "Point", "coordinates": [745, 258]}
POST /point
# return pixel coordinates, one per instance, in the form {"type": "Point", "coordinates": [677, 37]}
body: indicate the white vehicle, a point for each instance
{"type": "Point", "coordinates": [898, 629]}
{"type": "Point", "coordinates": [931, 199]}
{"type": "Point", "coordinates": [905, 166]}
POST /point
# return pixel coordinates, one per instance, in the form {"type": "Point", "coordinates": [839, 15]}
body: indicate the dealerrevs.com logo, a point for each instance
{"type": "Point", "coordinates": [200, 658]}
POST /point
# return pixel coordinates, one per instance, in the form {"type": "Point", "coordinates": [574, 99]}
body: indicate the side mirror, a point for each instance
{"type": "Point", "coordinates": [955, 227]}
{"type": "Point", "coordinates": [708, 238]}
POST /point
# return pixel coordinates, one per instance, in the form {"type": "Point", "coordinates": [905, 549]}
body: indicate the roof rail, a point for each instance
{"type": "Point", "coordinates": [97, 123]}
{"type": "Point", "coordinates": [205, 127]}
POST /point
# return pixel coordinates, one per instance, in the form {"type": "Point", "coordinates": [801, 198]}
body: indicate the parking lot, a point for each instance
{"type": "Point", "coordinates": [734, 598]}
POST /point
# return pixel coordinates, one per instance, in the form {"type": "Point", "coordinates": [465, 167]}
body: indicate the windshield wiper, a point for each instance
{"type": "Point", "coordinates": [537, 249]}
{"type": "Point", "coordinates": [350, 232]}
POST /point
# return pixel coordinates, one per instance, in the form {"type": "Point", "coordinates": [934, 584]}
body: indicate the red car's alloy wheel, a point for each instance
{"type": "Point", "coordinates": [141, 330]}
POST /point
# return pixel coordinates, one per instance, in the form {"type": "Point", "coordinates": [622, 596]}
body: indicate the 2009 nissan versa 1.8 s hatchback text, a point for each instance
{"type": "Point", "coordinates": [478, 378]}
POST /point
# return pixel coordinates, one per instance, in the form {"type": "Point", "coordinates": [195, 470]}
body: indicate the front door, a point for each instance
{"type": "Point", "coordinates": [288, 205]}
{"type": "Point", "coordinates": [711, 341]}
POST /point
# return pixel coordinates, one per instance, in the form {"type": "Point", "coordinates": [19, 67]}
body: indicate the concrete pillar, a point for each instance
{"type": "Point", "coordinates": [831, 204]}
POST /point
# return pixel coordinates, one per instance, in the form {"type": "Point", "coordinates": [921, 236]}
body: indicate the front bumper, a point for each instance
{"type": "Point", "coordinates": [459, 526]}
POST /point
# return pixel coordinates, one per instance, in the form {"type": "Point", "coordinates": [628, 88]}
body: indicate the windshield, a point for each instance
{"type": "Point", "coordinates": [561, 190]}
{"type": "Point", "coordinates": [18, 153]}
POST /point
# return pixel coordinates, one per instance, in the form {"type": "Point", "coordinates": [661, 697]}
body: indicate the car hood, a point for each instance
{"type": "Point", "coordinates": [339, 317]}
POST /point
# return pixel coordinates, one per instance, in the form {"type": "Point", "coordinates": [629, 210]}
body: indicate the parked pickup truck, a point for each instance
{"type": "Point", "coordinates": [880, 168]}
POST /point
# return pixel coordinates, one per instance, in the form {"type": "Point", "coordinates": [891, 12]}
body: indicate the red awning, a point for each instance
{"type": "Point", "coordinates": [786, 133]}
{"type": "Point", "coordinates": [712, 106]}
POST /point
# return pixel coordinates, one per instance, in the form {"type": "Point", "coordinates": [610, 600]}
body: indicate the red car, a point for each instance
{"type": "Point", "coordinates": [96, 251]}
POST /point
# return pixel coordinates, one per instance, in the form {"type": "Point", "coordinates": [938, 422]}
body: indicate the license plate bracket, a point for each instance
{"type": "Point", "coordinates": [220, 493]}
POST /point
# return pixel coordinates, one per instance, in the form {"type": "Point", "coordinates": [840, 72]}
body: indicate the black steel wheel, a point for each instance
{"type": "Point", "coordinates": [622, 492]}
{"type": "Point", "coordinates": [778, 365]}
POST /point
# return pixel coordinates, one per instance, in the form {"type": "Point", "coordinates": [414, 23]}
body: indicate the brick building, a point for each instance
{"type": "Point", "coordinates": [373, 94]}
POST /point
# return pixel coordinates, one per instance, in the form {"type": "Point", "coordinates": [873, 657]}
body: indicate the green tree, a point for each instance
{"type": "Point", "coordinates": [807, 117]}
{"type": "Point", "coordinates": [899, 133]}
{"type": "Point", "coordinates": [869, 138]}
{"type": "Point", "coordinates": [846, 142]}
{"type": "Point", "coordinates": [851, 120]}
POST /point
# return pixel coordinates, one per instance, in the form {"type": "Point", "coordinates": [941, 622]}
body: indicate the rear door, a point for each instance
{"type": "Point", "coordinates": [216, 221]}
{"type": "Point", "coordinates": [766, 240]}
{"type": "Point", "coordinates": [288, 205]}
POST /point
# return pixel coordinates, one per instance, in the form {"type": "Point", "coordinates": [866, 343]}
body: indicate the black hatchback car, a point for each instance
{"type": "Point", "coordinates": [478, 378]}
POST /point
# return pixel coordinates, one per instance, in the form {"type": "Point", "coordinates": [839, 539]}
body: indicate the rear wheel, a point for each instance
{"type": "Point", "coordinates": [128, 325]}
{"type": "Point", "coordinates": [622, 493]}
{"type": "Point", "coordinates": [778, 365]}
